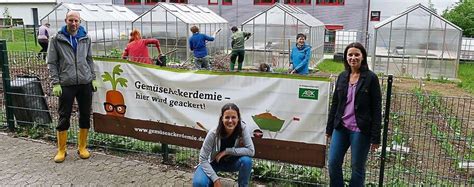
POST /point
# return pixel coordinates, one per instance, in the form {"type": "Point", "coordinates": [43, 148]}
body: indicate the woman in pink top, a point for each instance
{"type": "Point", "coordinates": [137, 48]}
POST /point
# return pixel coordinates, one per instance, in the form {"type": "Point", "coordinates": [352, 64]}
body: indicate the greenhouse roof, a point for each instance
{"type": "Point", "coordinates": [100, 12]}
{"type": "Point", "coordinates": [189, 13]}
{"type": "Point", "coordinates": [295, 12]}
{"type": "Point", "coordinates": [411, 9]}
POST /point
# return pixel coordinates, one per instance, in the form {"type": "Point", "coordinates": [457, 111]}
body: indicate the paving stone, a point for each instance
{"type": "Point", "coordinates": [30, 163]}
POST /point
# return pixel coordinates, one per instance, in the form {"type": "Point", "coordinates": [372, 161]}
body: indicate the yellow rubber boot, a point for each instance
{"type": "Point", "coordinates": [82, 144]}
{"type": "Point", "coordinates": [62, 139]}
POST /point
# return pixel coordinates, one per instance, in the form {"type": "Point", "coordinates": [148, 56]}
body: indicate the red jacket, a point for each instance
{"type": "Point", "coordinates": [137, 50]}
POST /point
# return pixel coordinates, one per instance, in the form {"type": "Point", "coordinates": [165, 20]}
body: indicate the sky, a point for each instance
{"type": "Point", "coordinates": [440, 5]}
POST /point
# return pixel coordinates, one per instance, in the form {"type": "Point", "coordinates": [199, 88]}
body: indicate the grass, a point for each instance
{"type": "Point", "coordinates": [331, 66]}
{"type": "Point", "coordinates": [466, 75]}
{"type": "Point", "coordinates": [17, 38]}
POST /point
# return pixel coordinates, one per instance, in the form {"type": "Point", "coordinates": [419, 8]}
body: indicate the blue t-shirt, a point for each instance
{"type": "Point", "coordinates": [197, 43]}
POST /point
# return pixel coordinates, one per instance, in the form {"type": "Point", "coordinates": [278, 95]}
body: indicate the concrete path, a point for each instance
{"type": "Point", "coordinates": [29, 162]}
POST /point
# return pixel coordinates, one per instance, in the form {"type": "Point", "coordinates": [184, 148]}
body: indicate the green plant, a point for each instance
{"type": "Point", "coordinates": [184, 158]}
{"type": "Point", "coordinates": [428, 77]}
{"type": "Point", "coordinates": [115, 53]}
{"type": "Point", "coordinates": [280, 70]}
{"type": "Point", "coordinates": [34, 131]}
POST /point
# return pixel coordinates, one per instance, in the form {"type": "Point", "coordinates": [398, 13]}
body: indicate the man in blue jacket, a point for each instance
{"type": "Point", "coordinates": [197, 43]}
{"type": "Point", "coordinates": [71, 70]}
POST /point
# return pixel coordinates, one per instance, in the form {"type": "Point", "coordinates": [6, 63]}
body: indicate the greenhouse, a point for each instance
{"type": "Point", "coordinates": [107, 25]}
{"type": "Point", "coordinates": [170, 23]}
{"type": "Point", "coordinates": [417, 43]}
{"type": "Point", "coordinates": [274, 34]}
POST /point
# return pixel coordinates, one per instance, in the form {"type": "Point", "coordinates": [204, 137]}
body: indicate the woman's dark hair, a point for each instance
{"type": "Point", "coordinates": [363, 66]}
{"type": "Point", "coordinates": [220, 128]}
{"type": "Point", "coordinates": [300, 35]}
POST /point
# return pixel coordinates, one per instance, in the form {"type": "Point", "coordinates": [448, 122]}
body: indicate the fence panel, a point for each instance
{"type": "Point", "coordinates": [429, 140]}
{"type": "Point", "coordinates": [429, 136]}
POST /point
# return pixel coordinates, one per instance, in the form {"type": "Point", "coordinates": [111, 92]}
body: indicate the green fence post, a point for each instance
{"type": "Point", "coordinates": [6, 84]}
{"type": "Point", "coordinates": [386, 119]}
{"type": "Point", "coordinates": [166, 152]}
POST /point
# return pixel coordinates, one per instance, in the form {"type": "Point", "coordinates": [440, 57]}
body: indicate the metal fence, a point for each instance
{"type": "Point", "coordinates": [429, 137]}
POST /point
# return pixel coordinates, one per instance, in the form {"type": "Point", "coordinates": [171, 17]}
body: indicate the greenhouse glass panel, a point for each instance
{"type": "Point", "coordinates": [274, 34]}
{"type": "Point", "coordinates": [108, 26]}
{"type": "Point", "coordinates": [170, 24]}
{"type": "Point", "coordinates": [417, 43]}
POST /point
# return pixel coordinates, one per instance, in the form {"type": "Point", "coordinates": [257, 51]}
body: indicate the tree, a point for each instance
{"type": "Point", "coordinates": [462, 15]}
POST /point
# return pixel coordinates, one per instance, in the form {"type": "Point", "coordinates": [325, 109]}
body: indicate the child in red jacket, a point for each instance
{"type": "Point", "coordinates": [137, 48]}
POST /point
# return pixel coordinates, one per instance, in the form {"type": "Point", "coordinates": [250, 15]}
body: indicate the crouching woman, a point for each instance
{"type": "Point", "coordinates": [227, 148]}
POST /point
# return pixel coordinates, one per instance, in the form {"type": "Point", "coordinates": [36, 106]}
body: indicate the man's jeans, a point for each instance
{"type": "Point", "coordinates": [201, 63]}
{"type": "Point", "coordinates": [340, 141]}
{"type": "Point", "coordinates": [243, 165]}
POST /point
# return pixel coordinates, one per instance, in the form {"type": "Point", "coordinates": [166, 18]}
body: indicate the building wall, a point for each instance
{"type": "Point", "coordinates": [352, 15]}
{"type": "Point", "coordinates": [24, 11]}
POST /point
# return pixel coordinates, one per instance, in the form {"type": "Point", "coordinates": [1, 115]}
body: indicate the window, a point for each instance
{"type": "Point", "coordinates": [264, 2]}
{"type": "Point", "coordinates": [330, 2]}
{"type": "Point", "coordinates": [179, 1]}
{"type": "Point", "coordinates": [152, 2]}
{"type": "Point", "coordinates": [375, 16]}
{"type": "Point", "coordinates": [132, 2]}
{"type": "Point", "coordinates": [216, 2]}
{"type": "Point", "coordinates": [227, 2]}
{"type": "Point", "coordinates": [298, 2]}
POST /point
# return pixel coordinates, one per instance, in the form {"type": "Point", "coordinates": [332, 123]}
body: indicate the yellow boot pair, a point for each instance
{"type": "Point", "coordinates": [82, 144]}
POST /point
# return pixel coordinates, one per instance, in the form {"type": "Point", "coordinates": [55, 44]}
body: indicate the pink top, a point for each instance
{"type": "Point", "coordinates": [349, 118]}
{"type": "Point", "coordinates": [137, 50]}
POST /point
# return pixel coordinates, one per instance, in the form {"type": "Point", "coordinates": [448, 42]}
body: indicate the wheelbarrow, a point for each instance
{"type": "Point", "coordinates": [272, 124]}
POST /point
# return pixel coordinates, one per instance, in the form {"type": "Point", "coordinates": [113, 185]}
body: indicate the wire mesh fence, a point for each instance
{"type": "Point", "coordinates": [429, 135]}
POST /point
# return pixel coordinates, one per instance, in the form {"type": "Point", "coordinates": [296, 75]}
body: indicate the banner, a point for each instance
{"type": "Point", "coordinates": [285, 116]}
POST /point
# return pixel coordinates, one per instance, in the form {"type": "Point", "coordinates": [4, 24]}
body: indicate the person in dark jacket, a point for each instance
{"type": "Point", "coordinates": [355, 117]}
{"type": "Point", "coordinates": [238, 49]}
{"type": "Point", "coordinates": [71, 70]}
{"type": "Point", "coordinates": [300, 56]}
{"type": "Point", "coordinates": [228, 147]}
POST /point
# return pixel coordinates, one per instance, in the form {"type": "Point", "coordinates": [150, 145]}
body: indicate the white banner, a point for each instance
{"type": "Point", "coordinates": [282, 108]}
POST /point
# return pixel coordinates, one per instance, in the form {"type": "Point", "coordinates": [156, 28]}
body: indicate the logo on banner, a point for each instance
{"type": "Point", "coordinates": [308, 93]}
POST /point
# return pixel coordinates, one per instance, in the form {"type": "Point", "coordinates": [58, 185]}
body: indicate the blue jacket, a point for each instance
{"type": "Point", "coordinates": [300, 59]}
{"type": "Point", "coordinates": [197, 43]}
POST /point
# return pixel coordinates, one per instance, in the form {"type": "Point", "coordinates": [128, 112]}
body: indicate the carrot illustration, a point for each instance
{"type": "Point", "coordinates": [114, 102]}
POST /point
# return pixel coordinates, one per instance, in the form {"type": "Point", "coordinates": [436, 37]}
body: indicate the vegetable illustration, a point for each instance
{"type": "Point", "coordinates": [114, 102]}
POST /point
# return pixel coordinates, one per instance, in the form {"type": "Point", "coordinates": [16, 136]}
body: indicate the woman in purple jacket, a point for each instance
{"type": "Point", "coordinates": [355, 117]}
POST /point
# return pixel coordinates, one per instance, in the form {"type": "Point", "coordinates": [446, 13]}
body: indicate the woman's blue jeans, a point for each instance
{"type": "Point", "coordinates": [243, 165]}
{"type": "Point", "coordinates": [341, 140]}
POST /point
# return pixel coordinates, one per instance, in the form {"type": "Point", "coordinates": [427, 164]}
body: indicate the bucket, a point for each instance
{"type": "Point", "coordinates": [161, 61]}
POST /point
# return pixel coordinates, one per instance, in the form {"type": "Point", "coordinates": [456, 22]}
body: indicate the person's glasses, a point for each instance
{"type": "Point", "coordinates": [109, 107]}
